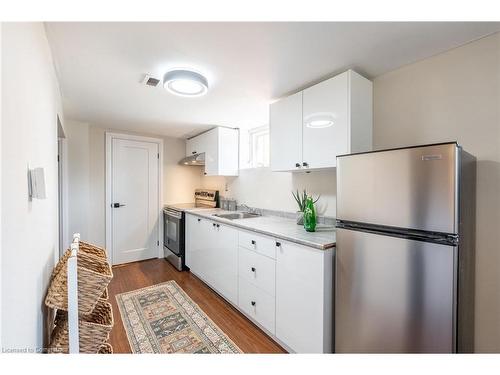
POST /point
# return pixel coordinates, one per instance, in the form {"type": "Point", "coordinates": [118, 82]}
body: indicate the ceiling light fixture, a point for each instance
{"type": "Point", "coordinates": [185, 82]}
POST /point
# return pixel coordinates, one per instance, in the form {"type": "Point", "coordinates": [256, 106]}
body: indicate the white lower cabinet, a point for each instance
{"type": "Point", "coordinates": [211, 254]}
{"type": "Point", "coordinates": [257, 269]}
{"type": "Point", "coordinates": [304, 295]}
{"type": "Point", "coordinates": [198, 233]}
{"type": "Point", "coordinates": [223, 262]}
{"type": "Point", "coordinates": [256, 287]}
{"type": "Point", "coordinates": [261, 244]}
{"type": "Point", "coordinates": [259, 305]}
{"type": "Point", "coordinates": [286, 288]}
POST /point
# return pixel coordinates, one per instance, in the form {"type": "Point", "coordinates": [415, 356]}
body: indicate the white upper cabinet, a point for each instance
{"type": "Point", "coordinates": [221, 148]}
{"type": "Point", "coordinates": [309, 129]}
{"type": "Point", "coordinates": [193, 145]}
{"type": "Point", "coordinates": [286, 133]}
{"type": "Point", "coordinates": [325, 122]}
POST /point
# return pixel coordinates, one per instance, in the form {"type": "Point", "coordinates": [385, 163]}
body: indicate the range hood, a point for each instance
{"type": "Point", "coordinates": [197, 159]}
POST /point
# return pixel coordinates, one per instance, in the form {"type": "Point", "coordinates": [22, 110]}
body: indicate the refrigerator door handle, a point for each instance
{"type": "Point", "coordinates": [411, 234]}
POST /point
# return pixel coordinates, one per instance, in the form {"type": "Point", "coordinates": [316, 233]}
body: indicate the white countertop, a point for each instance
{"type": "Point", "coordinates": [282, 228]}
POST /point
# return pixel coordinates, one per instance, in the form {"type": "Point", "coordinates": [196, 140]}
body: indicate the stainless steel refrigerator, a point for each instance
{"type": "Point", "coordinates": [404, 279]}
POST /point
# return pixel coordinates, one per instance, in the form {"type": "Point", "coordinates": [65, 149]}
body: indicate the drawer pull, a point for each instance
{"type": "Point", "coordinates": [253, 269]}
{"type": "Point", "coordinates": [213, 224]}
{"type": "Point", "coordinates": [218, 225]}
{"type": "Point", "coordinates": [253, 242]}
{"type": "Point", "coordinates": [253, 303]}
{"type": "Point", "coordinates": [199, 220]}
{"type": "Point", "coordinates": [278, 244]}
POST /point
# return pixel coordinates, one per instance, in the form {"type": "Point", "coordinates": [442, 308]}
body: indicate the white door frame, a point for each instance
{"type": "Point", "coordinates": [63, 184]}
{"type": "Point", "coordinates": [109, 157]}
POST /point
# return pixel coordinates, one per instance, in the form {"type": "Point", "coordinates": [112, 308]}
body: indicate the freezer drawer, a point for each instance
{"type": "Point", "coordinates": [406, 188]}
{"type": "Point", "coordinates": [393, 295]}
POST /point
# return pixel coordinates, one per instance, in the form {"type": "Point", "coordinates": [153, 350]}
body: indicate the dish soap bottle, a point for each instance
{"type": "Point", "coordinates": [309, 215]}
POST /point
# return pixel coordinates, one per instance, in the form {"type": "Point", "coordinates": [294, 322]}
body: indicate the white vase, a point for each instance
{"type": "Point", "coordinates": [299, 218]}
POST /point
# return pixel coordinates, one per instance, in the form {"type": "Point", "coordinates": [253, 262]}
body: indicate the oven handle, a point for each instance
{"type": "Point", "coordinates": [172, 213]}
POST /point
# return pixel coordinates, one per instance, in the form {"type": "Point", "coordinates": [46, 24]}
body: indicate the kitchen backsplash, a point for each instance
{"type": "Point", "coordinates": [326, 220]}
{"type": "Point", "coordinates": [260, 187]}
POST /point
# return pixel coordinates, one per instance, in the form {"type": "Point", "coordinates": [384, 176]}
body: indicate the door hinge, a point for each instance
{"type": "Point", "coordinates": [58, 158]}
{"type": "Point", "coordinates": [158, 155]}
{"type": "Point", "coordinates": [158, 243]}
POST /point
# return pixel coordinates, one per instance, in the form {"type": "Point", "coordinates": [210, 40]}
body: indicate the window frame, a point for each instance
{"type": "Point", "coordinates": [253, 134]}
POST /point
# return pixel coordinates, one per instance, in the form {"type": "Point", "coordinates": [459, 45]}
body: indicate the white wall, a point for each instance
{"type": "Point", "coordinates": [30, 105]}
{"type": "Point", "coordinates": [0, 190]}
{"type": "Point", "coordinates": [88, 198]}
{"type": "Point", "coordinates": [263, 188]}
{"type": "Point", "coordinates": [77, 139]}
{"type": "Point", "coordinates": [456, 96]}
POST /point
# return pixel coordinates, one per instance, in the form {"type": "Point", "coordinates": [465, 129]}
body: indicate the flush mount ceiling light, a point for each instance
{"type": "Point", "coordinates": [185, 82]}
{"type": "Point", "coordinates": [319, 120]}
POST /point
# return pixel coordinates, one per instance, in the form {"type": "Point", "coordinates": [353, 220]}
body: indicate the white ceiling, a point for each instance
{"type": "Point", "coordinates": [248, 65]}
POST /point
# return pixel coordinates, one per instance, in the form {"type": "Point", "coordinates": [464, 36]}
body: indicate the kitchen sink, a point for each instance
{"type": "Point", "coordinates": [237, 215]}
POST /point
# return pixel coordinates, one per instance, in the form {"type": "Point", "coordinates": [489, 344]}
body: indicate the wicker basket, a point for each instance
{"type": "Point", "coordinates": [93, 330]}
{"type": "Point", "coordinates": [83, 247]}
{"type": "Point", "coordinates": [105, 349]}
{"type": "Point", "coordinates": [62, 263]}
{"type": "Point", "coordinates": [92, 249]}
{"type": "Point", "coordinates": [94, 275]}
{"type": "Point", "coordinates": [105, 294]}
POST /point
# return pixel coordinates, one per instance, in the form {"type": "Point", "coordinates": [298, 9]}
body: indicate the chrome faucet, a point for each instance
{"type": "Point", "coordinates": [255, 211]}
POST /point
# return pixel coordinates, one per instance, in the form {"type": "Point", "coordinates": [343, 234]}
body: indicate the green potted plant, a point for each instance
{"type": "Point", "coordinates": [301, 199]}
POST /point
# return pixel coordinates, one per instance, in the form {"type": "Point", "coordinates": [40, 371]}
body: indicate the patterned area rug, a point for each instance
{"type": "Point", "coordinates": [163, 319]}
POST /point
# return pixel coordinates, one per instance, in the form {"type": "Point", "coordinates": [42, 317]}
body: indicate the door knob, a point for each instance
{"type": "Point", "coordinates": [193, 152]}
{"type": "Point", "coordinates": [297, 165]}
{"type": "Point", "coordinates": [117, 205]}
{"type": "Point", "coordinates": [253, 269]}
{"type": "Point", "coordinates": [305, 164]}
{"type": "Point", "coordinates": [253, 303]}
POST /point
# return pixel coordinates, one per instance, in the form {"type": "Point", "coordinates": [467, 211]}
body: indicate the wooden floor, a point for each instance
{"type": "Point", "coordinates": [248, 337]}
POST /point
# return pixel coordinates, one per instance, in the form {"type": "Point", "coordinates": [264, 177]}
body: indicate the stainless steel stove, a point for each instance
{"type": "Point", "coordinates": [174, 224]}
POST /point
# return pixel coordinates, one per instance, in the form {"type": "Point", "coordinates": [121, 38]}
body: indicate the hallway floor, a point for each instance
{"type": "Point", "coordinates": [128, 277]}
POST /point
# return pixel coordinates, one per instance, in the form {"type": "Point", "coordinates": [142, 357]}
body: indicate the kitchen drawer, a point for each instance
{"type": "Point", "coordinates": [257, 269]}
{"type": "Point", "coordinates": [257, 304]}
{"type": "Point", "coordinates": [261, 244]}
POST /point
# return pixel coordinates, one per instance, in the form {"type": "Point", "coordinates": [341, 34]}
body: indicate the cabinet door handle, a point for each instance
{"type": "Point", "coordinates": [253, 269]}
{"type": "Point", "coordinates": [278, 244]}
{"type": "Point", "coordinates": [218, 225]}
{"type": "Point", "coordinates": [305, 164]}
{"type": "Point", "coordinates": [297, 165]}
{"type": "Point", "coordinates": [199, 219]}
{"type": "Point", "coordinates": [213, 224]}
{"type": "Point", "coordinates": [253, 242]}
{"type": "Point", "coordinates": [253, 303]}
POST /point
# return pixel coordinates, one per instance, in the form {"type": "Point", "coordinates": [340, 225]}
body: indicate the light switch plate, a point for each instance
{"type": "Point", "coordinates": [36, 182]}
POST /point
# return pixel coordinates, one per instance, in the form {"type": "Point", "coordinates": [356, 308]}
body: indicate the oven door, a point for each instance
{"type": "Point", "coordinates": [172, 231]}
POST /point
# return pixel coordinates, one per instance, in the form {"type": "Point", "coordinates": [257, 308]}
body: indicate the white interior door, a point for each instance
{"type": "Point", "coordinates": [134, 200]}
